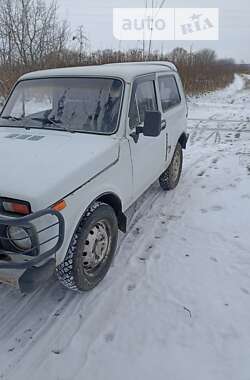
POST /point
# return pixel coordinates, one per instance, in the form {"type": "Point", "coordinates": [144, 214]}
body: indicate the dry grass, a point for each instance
{"type": "Point", "coordinates": [200, 71]}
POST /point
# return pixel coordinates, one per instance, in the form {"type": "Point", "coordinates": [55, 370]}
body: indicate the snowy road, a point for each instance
{"type": "Point", "coordinates": [176, 303]}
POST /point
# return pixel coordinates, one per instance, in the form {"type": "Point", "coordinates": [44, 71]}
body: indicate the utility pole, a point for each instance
{"type": "Point", "coordinates": [82, 39]}
{"type": "Point", "coordinates": [152, 22]}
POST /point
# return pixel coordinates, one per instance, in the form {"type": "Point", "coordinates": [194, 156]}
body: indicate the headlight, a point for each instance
{"type": "Point", "coordinates": [19, 238]}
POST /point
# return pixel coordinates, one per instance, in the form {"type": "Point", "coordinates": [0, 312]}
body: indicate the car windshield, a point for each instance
{"type": "Point", "coordinates": [89, 105]}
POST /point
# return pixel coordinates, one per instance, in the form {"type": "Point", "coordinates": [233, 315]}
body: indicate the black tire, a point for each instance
{"type": "Point", "coordinates": [170, 178]}
{"type": "Point", "coordinates": [73, 272]}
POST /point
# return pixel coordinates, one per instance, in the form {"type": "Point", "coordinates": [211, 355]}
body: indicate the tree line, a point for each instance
{"type": "Point", "coordinates": [33, 37]}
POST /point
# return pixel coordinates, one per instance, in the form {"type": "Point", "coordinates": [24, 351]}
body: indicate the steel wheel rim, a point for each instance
{"type": "Point", "coordinates": [96, 247]}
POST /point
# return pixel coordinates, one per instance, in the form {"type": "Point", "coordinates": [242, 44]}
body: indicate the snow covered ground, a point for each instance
{"type": "Point", "coordinates": [176, 303]}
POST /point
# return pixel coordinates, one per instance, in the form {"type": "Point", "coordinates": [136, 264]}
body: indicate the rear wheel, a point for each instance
{"type": "Point", "coordinates": [91, 250]}
{"type": "Point", "coordinates": [170, 178]}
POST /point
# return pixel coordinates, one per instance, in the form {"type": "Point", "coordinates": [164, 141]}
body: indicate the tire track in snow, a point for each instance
{"type": "Point", "coordinates": [71, 322]}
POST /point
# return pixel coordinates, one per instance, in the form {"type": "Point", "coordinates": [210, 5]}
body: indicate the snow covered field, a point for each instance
{"type": "Point", "coordinates": [176, 303]}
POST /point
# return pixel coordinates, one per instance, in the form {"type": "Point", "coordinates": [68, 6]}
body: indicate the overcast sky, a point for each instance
{"type": "Point", "coordinates": [96, 17]}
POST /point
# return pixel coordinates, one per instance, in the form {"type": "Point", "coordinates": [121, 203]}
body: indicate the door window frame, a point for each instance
{"type": "Point", "coordinates": [136, 82]}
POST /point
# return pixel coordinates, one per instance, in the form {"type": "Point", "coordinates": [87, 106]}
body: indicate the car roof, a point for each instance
{"type": "Point", "coordinates": [126, 71]}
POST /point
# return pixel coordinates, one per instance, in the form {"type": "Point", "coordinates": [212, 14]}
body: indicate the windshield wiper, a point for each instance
{"type": "Point", "coordinates": [47, 120]}
{"type": "Point", "coordinates": [56, 123]}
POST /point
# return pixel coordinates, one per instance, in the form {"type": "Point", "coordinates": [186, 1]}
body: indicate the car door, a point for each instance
{"type": "Point", "coordinates": [173, 109]}
{"type": "Point", "coordinates": [147, 153]}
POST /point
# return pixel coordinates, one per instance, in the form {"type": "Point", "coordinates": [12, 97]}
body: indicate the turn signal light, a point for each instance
{"type": "Point", "coordinates": [17, 208]}
{"type": "Point", "coordinates": [59, 206]}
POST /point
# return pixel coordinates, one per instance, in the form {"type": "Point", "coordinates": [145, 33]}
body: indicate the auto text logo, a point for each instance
{"type": "Point", "coordinates": [133, 24]}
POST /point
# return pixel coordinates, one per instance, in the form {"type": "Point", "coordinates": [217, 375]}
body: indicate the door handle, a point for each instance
{"type": "Point", "coordinates": [163, 125]}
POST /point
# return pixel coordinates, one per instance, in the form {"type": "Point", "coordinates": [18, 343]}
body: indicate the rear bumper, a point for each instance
{"type": "Point", "coordinates": [28, 270]}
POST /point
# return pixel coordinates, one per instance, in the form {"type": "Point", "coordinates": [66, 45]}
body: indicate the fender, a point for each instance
{"type": "Point", "coordinates": [114, 201]}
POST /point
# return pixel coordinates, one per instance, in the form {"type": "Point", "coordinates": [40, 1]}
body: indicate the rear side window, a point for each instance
{"type": "Point", "coordinates": [143, 99]}
{"type": "Point", "coordinates": [169, 92]}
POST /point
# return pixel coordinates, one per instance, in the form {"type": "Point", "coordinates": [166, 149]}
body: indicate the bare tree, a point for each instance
{"type": "Point", "coordinates": [29, 31]}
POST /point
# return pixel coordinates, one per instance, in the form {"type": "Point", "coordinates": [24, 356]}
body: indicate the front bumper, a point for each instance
{"type": "Point", "coordinates": [28, 270]}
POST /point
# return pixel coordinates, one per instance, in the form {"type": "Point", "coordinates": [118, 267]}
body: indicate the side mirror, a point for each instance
{"type": "Point", "coordinates": [152, 124]}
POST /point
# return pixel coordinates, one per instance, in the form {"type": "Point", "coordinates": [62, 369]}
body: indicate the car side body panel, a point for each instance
{"type": "Point", "coordinates": [104, 183]}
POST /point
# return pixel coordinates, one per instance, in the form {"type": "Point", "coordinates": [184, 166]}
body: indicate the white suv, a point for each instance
{"type": "Point", "coordinates": [78, 147]}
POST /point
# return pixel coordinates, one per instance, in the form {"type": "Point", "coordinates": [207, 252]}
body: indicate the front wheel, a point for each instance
{"type": "Point", "coordinates": [91, 250]}
{"type": "Point", "coordinates": [170, 178]}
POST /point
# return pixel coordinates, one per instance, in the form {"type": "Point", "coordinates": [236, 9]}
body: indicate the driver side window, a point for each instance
{"type": "Point", "coordinates": [143, 99]}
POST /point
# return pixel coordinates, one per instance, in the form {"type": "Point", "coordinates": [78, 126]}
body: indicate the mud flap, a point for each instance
{"type": "Point", "coordinates": [35, 277]}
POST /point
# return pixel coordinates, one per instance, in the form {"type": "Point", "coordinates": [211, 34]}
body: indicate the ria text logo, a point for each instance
{"type": "Point", "coordinates": [166, 24]}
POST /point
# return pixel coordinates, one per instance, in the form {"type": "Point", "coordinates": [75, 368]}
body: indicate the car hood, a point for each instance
{"type": "Point", "coordinates": [43, 166]}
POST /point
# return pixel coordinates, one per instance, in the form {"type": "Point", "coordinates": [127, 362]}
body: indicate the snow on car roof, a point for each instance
{"type": "Point", "coordinates": [126, 71]}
